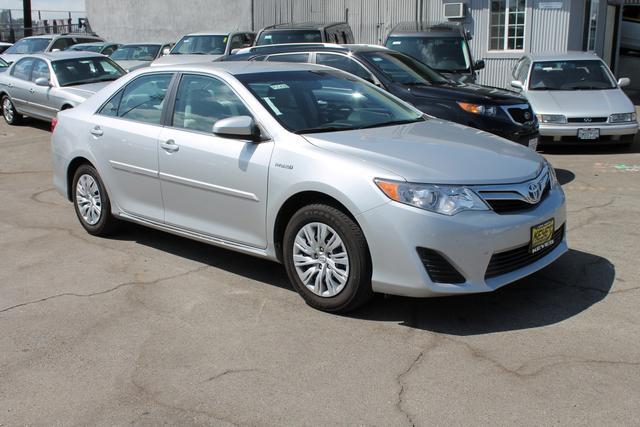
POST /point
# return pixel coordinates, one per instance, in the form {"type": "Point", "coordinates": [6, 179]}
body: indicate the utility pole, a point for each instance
{"type": "Point", "coordinates": [26, 10]}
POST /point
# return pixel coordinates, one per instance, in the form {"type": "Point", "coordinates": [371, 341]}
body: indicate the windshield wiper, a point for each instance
{"type": "Point", "coordinates": [392, 123]}
{"type": "Point", "coordinates": [320, 129]}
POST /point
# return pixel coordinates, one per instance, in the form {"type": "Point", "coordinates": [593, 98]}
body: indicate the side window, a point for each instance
{"type": "Point", "coordinates": [259, 58]}
{"type": "Point", "coordinates": [201, 101]}
{"type": "Point", "coordinates": [343, 63]}
{"type": "Point", "coordinates": [40, 69]}
{"type": "Point", "coordinates": [143, 98]}
{"type": "Point", "coordinates": [289, 57]}
{"type": "Point", "coordinates": [109, 50]}
{"type": "Point", "coordinates": [236, 42]}
{"type": "Point", "coordinates": [249, 38]}
{"type": "Point", "coordinates": [111, 107]}
{"type": "Point", "coordinates": [22, 69]}
{"type": "Point", "coordinates": [62, 43]}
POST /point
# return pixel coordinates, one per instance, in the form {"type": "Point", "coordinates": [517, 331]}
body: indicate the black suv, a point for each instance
{"type": "Point", "coordinates": [306, 32]}
{"type": "Point", "coordinates": [494, 110]}
{"type": "Point", "coordinates": [443, 47]}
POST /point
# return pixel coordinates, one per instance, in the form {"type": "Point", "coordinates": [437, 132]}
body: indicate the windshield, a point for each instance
{"type": "Point", "coordinates": [29, 45]}
{"type": "Point", "coordinates": [571, 75]}
{"type": "Point", "coordinates": [326, 101]}
{"type": "Point", "coordinates": [200, 45]}
{"type": "Point", "coordinates": [87, 47]}
{"type": "Point", "coordinates": [136, 52]}
{"type": "Point", "coordinates": [289, 36]}
{"type": "Point", "coordinates": [404, 69]}
{"type": "Point", "coordinates": [449, 54]}
{"type": "Point", "coordinates": [78, 71]}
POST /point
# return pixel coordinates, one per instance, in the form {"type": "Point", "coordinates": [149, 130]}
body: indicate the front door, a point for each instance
{"type": "Point", "coordinates": [124, 137]}
{"type": "Point", "coordinates": [19, 84]}
{"type": "Point", "coordinates": [213, 185]}
{"type": "Point", "coordinates": [40, 99]}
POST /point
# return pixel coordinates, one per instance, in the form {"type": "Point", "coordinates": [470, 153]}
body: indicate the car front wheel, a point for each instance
{"type": "Point", "coordinates": [91, 202]}
{"type": "Point", "coordinates": [327, 259]}
{"type": "Point", "coordinates": [11, 116]}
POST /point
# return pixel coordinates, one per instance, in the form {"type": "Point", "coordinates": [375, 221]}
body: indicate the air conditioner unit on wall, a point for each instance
{"type": "Point", "coordinates": [454, 10]}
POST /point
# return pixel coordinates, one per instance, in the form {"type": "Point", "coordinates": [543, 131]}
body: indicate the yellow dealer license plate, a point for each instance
{"type": "Point", "coordinates": [541, 236]}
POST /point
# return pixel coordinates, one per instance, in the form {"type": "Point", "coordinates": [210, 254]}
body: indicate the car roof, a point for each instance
{"type": "Point", "coordinates": [563, 56]}
{"type": "Point", "coordinates": [66, 54]}
{"type": "Point", "coordinates": [145, 44]}
{"type": "Point", "coordinates": [96, 43]}
{"type": "Point", "coordinates": [416, 28]}
{"type": "Point", "coordinates": [237, 67]}
{"type": "Point", "coordinates": [310, 47]}
{"type": "Point", "coordinates": [309, 25]}
{"type": "Point", "coordinates": [213, 33]}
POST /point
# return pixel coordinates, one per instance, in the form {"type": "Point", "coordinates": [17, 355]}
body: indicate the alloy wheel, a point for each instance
{"type": "Point", "coordinates": [7, 110]}
{"type": "Point", "coordinates": [321, 259]}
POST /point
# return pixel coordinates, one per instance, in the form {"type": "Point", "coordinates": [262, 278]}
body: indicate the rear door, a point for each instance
{"type": "Point", "coordinates": [124, 136]}
{"type": "Point", "coordinates": [19, 84]}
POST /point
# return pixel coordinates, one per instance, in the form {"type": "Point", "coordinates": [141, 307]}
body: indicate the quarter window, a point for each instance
{"type": "Point", "coordinates": [22, 69]}
{"type": "Point", "coordinates": [201, 101]}
{"type": "Point", "coordinates": [289, 57]}
{"type": "Point", "coordinates": [507, 24]}
{"type": "Point", "coordinates": [142, 100]}
{"type": "Point", "coordinates": [343, 63]}
{"type": "Point", "coordinates": [40, 69]}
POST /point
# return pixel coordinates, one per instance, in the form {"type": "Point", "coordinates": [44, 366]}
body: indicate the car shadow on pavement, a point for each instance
{"type": "Point", "coordinates": [564, 289]}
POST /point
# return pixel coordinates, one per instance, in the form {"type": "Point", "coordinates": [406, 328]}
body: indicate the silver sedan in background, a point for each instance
{"type": "Point", "coordinates": [354, 190]}
{"type": "Point", "coordinates": [40, 85]}
{"type": "Point", "coordinates": [576, 98]}
{"type": "Point", "coordinates": [132, 56]}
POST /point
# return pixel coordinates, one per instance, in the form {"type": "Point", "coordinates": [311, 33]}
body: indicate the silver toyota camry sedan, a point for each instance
{"type": "Point", "coordinates": [353, 190]}
{"type": "Point", "coordinates": [42, 84]}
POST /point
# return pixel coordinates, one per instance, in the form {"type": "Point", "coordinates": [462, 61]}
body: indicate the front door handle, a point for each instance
{"type": "Point", "coordinates": [31, 90]}
{"type": "Point", "coordinates": [170, 146]}
{"type": "Point", "coordinates": [96, 131]}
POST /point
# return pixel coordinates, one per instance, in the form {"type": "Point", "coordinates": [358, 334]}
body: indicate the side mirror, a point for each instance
{"type": "Point", "coordinates": [237, 127]}
{"type": "Point", "coordinates": [624, 81]}
{"type": "Point", "coordinates": [166, 51]}
{"type": "Point", "coordinates": [517, 84]}
{"type": "Point", "coordinates": [42, 81]}
{"type": "Point", "coordinates": [479, 65]}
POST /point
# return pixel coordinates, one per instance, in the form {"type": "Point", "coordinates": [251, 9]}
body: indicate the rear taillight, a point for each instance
{"type": "Point", "coordinates": [54, 122]}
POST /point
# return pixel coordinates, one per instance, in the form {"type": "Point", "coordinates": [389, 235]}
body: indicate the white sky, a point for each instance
{"type": "Point", "coordinates": [66, 5]}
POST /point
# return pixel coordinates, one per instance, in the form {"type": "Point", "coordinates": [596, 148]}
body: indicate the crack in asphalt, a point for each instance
{"type": "Point", "coordinates": [103, 292]}
{"type": "Point", "coordinates": [229, 372]}
{"type": "Point", "coordinates": [401, 392]}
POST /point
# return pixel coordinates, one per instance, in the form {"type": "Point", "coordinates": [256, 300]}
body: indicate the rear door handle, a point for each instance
{"type": "Point", "coordinates": [96, 131]}
{"type": "Point", "coordinates": [170, 146]}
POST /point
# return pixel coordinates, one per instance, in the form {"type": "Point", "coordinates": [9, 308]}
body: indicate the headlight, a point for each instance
{"type": "Point", "coordinates": [553, 179]}
{"type": "Point", "coordinates": [552, 118]}
{"type": "Point", "coordinates": [622, 117]}
{"type": "Point", "coordinates": [485, 110]}
{"type": "Point", "coordinates": [442, 199]}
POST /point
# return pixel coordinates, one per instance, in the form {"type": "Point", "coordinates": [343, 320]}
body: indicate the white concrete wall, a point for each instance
{"type": "Point", "coordinates": [128, 21]}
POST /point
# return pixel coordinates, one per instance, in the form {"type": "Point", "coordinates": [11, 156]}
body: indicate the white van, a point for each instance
{"type": "Point", "coordinates": [630, 28]}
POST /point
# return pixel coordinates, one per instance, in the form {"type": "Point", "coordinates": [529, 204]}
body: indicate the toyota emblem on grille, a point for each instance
{"type": "Point", "coordinates": [534, 192]}
{"type": "Point", "coordinates": [587, 119]}
{"type": "Point", "coordinates": [527, 115]}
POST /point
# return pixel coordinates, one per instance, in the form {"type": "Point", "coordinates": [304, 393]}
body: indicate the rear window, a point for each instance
{"type": "Point", "coordinates": [440, 53]}
{"type": "Point", "coordinates": [289, 36]}
{"type": "Point", "coordinates": [29, 46]}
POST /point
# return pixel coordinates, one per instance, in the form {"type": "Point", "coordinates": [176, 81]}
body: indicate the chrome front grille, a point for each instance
{"type": "Point", "coordinates": [513, 198]}
{"type": "Point", "coordinates": [587, 120]}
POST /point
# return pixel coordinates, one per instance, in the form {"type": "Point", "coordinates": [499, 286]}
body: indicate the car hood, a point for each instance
{"type": "Point", "coordinates": [84, 91]}
{"type": "Point", "coordinates": [580, 103]}
{"type": "Point", "coordinates": [436, 152]}
{"type": "Point", "coordinates": [132, 64]}
{"type": "Point", "coordinates": [11, 57]}
{"type": "Point", "coordinates": [468, 92]}
{"type": "Point", "coordinates": [183, 59]}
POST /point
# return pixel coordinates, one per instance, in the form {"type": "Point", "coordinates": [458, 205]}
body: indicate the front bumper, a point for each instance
{"type": "Point", "coordinates": [467, 240]}
{"type": "Point", "coordinates": [571, 130]}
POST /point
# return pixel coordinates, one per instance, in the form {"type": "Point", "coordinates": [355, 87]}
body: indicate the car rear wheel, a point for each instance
{"type": "Point", "coordinates": [11, 116]}
{"type": "Point", "coordinates": [327, 259]}
{"type": "Point", "coordinates": [91, 202]}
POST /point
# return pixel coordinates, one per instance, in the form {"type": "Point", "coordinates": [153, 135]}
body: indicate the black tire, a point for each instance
{"type": "Point", "coordinates": [106, 223]}
{"type": "Point", "coordinates": [357, 289]}
{"type": "Point", "coordinates": [627, 140]}
{"type": "Point", "coordinates": [16, 117]}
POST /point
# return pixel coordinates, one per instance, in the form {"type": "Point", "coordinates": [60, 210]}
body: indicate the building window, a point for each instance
{"type": "Point", "coordinates": [592, 23]}
{"type": "Point", "coordinates": [506, 24]}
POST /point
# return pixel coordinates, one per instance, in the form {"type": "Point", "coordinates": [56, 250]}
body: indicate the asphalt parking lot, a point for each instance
{"type": "Point", "coordinates": [147, 328]}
